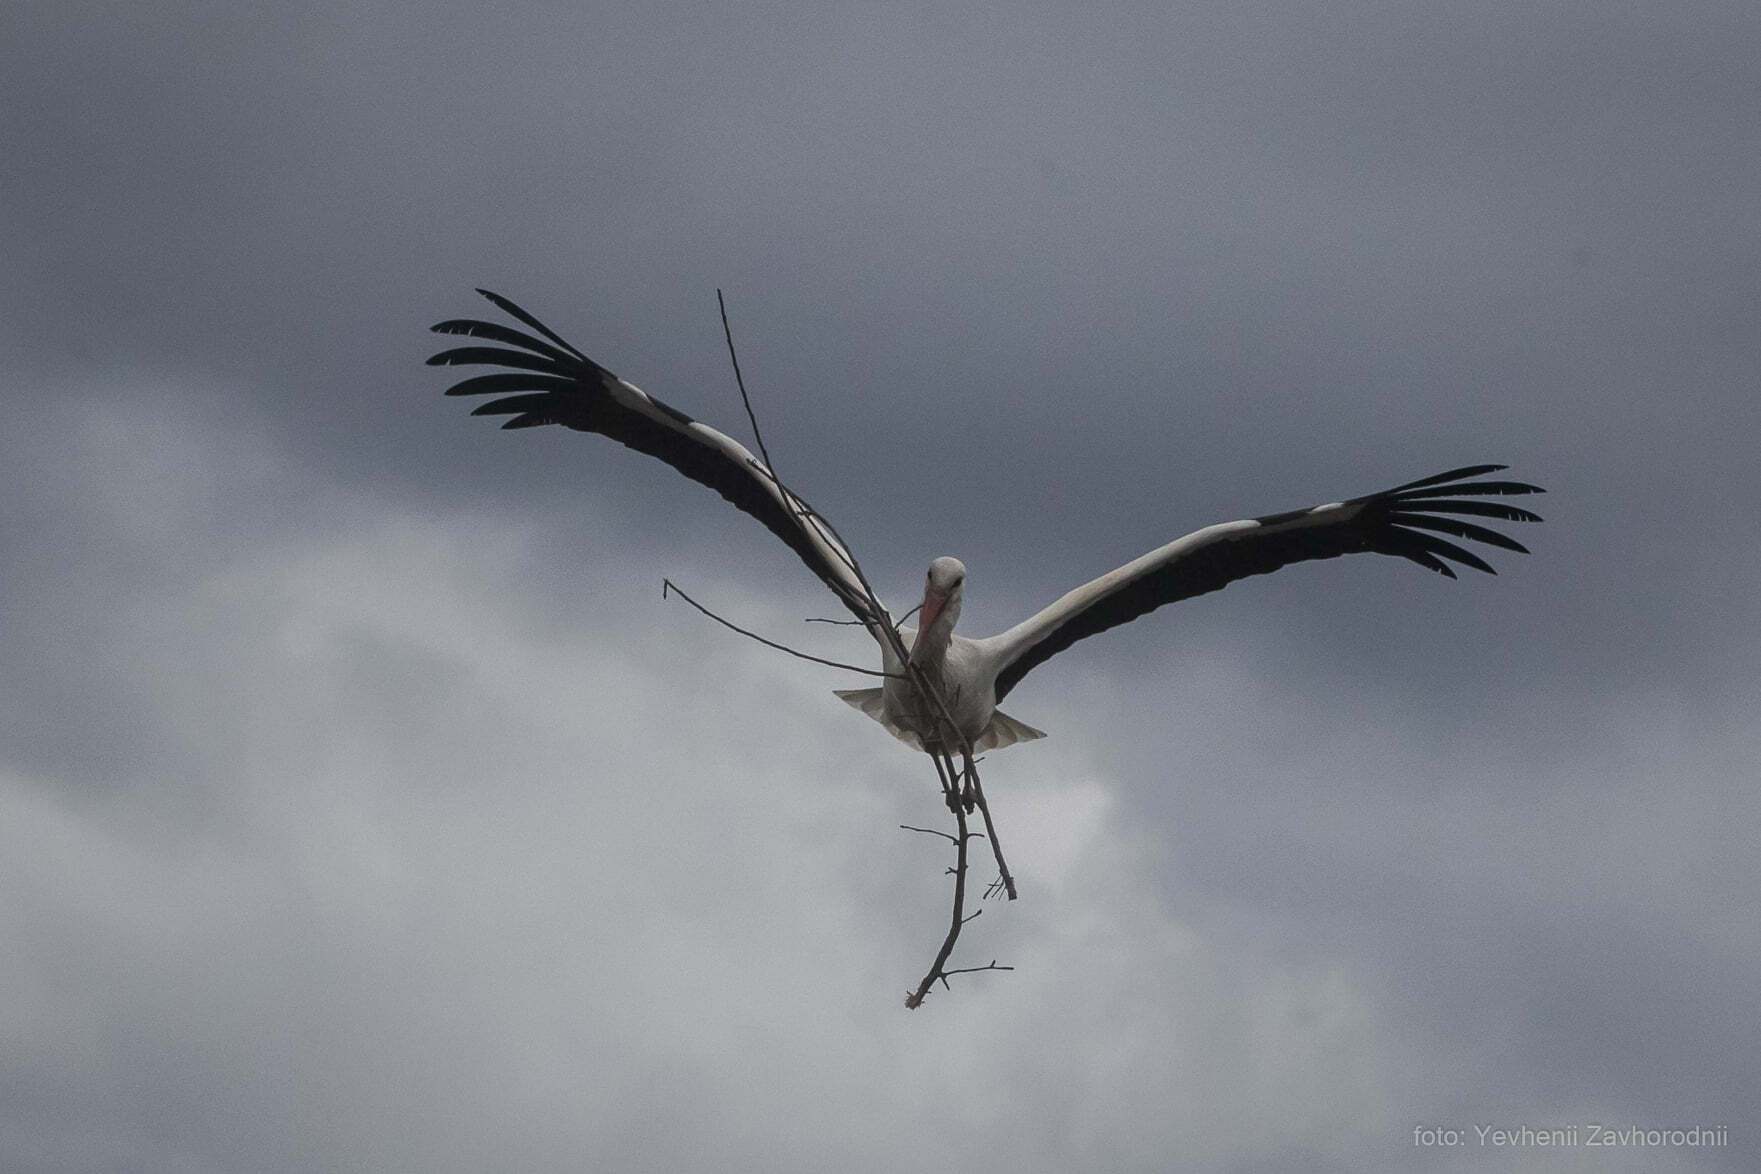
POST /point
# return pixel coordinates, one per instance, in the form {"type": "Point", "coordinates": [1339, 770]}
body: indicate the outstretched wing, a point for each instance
{"type": "Point", "coordinates": [544, 380]}
{"type": "Point", "coordinates": [1408, 520]}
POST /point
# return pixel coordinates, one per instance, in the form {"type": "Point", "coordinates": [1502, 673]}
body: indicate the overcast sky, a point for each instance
{"type": "Point", "coordinates": [363, 807]}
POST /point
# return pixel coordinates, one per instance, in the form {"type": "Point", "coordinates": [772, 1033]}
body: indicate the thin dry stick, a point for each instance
{"type": "Point", "coordinates": [827, 535]}
{"type": "Point", "coordinates": [803, 513]}
{"type": "Point", "coordinates": [861, 623]}
{"type": "Point", "coordinates": [947, 779]}
{"type": "Point", "coordinates": [938, 971]}
{"type": "Point", "coordinates": [667, 585]}
{"type": "Point", "coordinates": [990, 830]}
{"type": "Point", "coordinates": [973, 969]}
{"type": "Point", "coordinates": [800, 510]}
{"type": "Point", "coordinates": [905, 827]}
{"type": "Point", "coordinates": [728, 333]}
{"type": "Point", "coordinates": [810, 519]}
{"type": "Point", "coordinates": [914, 999]}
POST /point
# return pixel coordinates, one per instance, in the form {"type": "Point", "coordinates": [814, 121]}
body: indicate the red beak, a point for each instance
{"type": "Point", "coordinates": [933, 602]}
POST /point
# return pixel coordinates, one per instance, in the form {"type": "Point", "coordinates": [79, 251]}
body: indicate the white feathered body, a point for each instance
{"type": "Point", "coordinates": [965, 671]}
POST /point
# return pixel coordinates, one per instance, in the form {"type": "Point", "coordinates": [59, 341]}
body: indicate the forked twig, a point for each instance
{"type": "Point", "coordinates": [667, 585]}
{"type": "Point", "coordinates": [914, 999]}
{"type": "Point", "coordinates": [984, 809]}
{"type": "Point", "coordinates": [898, 623]}
{"type": "Point", "coordinates": [905, 827]}
{"type": "Point", "coordinates": [973, 969]}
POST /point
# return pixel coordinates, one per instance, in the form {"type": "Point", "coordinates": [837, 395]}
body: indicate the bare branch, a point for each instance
{"type": "Point", "coordinates": [947, 785]}
{"type": "Point", "coordinates": [900, 622]}
{"type": "Point", "coordinates": [914, 999]}
{"type": "Point", "coordinates": [740, 380]}
{"type": "Point", "coordinates": [668, 585]}
{"type": "Point", "coordinates": [990, 829]}
{"type": "Point", "coordinates": [813, 521]}
{"type": "Point", "coordinates": [973, 969]}
{"type": "Point", "coordinates": [802, 512]}
{"type": "Point", "coordinates": [960, 789]}
{"type": "Point", "coordinates": [897, 624]}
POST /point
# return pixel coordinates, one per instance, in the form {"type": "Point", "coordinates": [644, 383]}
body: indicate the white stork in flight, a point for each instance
{"type": "Point", "coordinates": [545, 380]}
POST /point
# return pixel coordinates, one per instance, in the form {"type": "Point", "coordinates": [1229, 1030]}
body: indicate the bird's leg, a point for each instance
{"type": "Point", "coordinates": [969, 782]}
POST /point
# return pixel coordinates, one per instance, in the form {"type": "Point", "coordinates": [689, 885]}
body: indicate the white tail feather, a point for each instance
{"type": "Point", "coordinates": [1001, 731]}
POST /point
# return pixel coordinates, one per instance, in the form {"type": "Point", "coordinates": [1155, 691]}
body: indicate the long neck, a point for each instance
{"type": "Point", "coordinates": [931, 645]}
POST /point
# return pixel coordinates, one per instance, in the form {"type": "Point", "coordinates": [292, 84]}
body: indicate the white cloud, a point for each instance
{"type": "Point", "coordinates": [479, 861]}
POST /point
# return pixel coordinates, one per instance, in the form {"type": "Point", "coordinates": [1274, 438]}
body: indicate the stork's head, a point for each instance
{"type": "Point", "coordinates": [942, 589]}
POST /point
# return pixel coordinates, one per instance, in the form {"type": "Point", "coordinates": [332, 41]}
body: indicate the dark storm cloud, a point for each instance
{"type": "Point", "coordinates": [1096, 276]}
{"type": "Point", "coordinates": [1041, 288]}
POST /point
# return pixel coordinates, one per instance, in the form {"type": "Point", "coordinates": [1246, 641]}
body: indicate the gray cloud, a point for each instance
{"type": "Point", "coordinates": [365, 808]}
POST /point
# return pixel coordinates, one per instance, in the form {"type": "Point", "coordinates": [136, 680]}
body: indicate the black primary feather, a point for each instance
{"type": "Point", "coordinates": [510, 381]}
{"type": "Point", "coordinates": [1452, 475]}
{"type": "Point", "coordinates": [554, 383]}
{"type": "Point", "coordinates": [1482, 509]}
{"type": "Point", "coordinates": [1487, 487]}
{"type": "Point", "coordinates": [496, 332]}
{"type": "Point", "coordinates": [1403, 521]}
{"type": "Point", "coordinates": [1443, 548]}
{"type": "Point", "coordinates": [486, 356]}
{"type": "Point", "coordinates": [1460, 529]}
{"type": "Point", "coordinates": [507, 307]}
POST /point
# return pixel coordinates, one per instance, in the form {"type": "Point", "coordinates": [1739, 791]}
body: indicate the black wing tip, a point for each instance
{"type": "Point", "coordinates": [468, 357]}
{"type": "Point", "coordinates": [1468, 488]}
{"type": "Point", "coordinates": [1429, 549]}
{"type": "Point", "coordinates": [1457, 474]}
{"type": "Point", "coordinates": [503, 302]}
{"type": "Point", "coordinates": [509, 307]}
{"type": "Point", "coordinates": [1426, 546]}
{"type": "Point", "coordinates": [1452, 475]}
{"type": "Point", "coordinates": [1428, 561]}
{"type": "Point", "coordinates": [1497, 510]}
{"type": "Point", "coordinates": [458, 326]}
{"type": "Point", "coordinates": [1448, 524]}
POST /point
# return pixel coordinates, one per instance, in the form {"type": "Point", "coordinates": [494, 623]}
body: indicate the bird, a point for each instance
{"type": "Point", "coordinates": [544, 380]}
